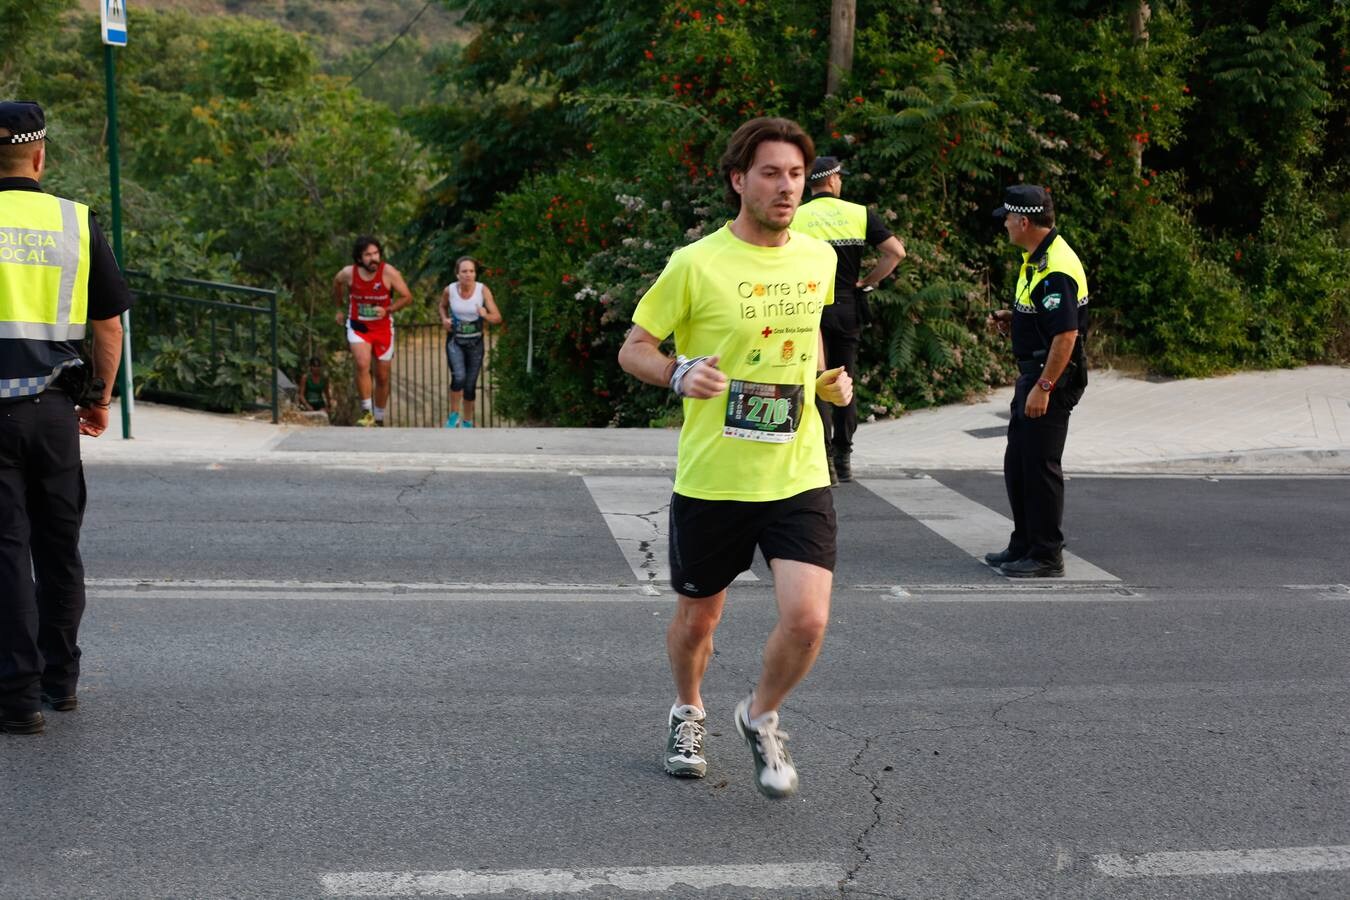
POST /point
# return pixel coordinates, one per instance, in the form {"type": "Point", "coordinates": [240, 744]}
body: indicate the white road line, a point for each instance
{"type": "Point", "coordinates": [1223, 862]}
{"type": "Point", "coordinates": [1036, 592]}
{"type": "Point", "coordinates": [394, 587]}
{"type": "Point", "coordinates": [225, 589]}
{"type": "Point", "coordinates": [974, 528]}
{"type": "Point", "coordinates": [460, 882]}
{"type": "Point", "coordinates": [637, 510]}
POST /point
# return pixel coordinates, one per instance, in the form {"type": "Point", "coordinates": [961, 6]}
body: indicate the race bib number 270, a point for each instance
{"type": "Point", "coordinates": [763, 412]}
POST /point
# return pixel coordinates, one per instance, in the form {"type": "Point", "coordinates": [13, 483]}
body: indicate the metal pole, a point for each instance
{"type": "Point", "coordinates": [115, 182]}
{"type": "Point", "coordinates": [276, 387]}
{"type": "Point", "coordinates": [529, 343]}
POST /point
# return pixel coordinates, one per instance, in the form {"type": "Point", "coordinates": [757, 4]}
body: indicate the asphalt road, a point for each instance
{"type": "Point", "coordinates": [454, 680]}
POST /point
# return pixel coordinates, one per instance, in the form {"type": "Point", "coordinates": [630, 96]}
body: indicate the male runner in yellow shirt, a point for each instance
{"type": "Point", "coordinates": [744, 304]}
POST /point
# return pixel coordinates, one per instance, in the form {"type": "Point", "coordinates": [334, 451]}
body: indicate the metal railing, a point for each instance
{"type": "Point", "coordinates": [419, 390]}
{"type": "Point", "coordinates": [205, 343]}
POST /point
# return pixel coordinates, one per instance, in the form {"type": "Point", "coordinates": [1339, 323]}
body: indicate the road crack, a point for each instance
{"type": "Point", "coordinates": [1039, 692]}
{"type": "Point", "coordinates": [648, 563]}
{"type": "Point", "coordinates": [412, 488]}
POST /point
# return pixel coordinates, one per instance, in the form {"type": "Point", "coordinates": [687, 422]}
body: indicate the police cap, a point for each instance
{"type": "Point", "coordinates": [1025, 200]}
{"type": "Point", "coordinates": [824, 167]}
{"type": "Point", "coordinates": [24, 121]}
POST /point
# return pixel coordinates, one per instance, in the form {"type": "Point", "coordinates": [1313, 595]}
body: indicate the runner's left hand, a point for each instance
{"type": "Point", "coordinates": [835, 386]}
{"type": "Point", "coordinates": [381, 312]}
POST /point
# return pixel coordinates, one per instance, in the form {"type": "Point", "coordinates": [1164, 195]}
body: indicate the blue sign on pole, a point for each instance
{"type": "Point", "coordinates": [114, 22]}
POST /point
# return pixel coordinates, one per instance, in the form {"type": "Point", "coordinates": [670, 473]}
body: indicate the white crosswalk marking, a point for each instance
{"type": "Point", "coordinates": [646, 879]}
{"type": "Point", "coordinates": [974, 528]}
{"type": "Point", "coordinates": [1270, 861]}
{"type": "Point", "coordinates": [636, 508]}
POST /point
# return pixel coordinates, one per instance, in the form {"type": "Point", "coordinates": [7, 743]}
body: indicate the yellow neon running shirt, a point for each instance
{"type": "Point", "coordinates": [758, 309]}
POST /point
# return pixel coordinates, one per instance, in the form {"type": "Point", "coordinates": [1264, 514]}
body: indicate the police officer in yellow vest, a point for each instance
{"type": "Point", "coordinates": [58, 281]}
{"type": "Point", "coordinates": [850, 228]}
{"type": "Point", "coordinates": [1049, 319]}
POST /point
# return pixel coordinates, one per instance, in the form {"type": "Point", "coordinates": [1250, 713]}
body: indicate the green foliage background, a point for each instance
{"type": "Point", "coordinates": [241, 162]}
{"type": "Point", "coordinates": [1224, 249]}
{"type": "Point", "coordinates": [1201, 173]}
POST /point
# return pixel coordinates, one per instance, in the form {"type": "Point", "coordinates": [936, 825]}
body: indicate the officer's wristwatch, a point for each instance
{"type": "Point", "coordinates": [1045, 384]}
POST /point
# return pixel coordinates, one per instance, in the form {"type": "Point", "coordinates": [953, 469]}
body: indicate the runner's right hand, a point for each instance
{"type": "Point", "coordinates": [704, 380]}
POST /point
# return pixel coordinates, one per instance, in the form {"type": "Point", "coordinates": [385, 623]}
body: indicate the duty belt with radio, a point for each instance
{"type": "Point", "coordinates": [78, 383]}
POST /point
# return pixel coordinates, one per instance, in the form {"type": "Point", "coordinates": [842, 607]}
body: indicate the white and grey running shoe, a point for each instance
{"type": "Point", "coordinates": [684, 745]}
{"type": "Point", "coordinates": [775, 776]}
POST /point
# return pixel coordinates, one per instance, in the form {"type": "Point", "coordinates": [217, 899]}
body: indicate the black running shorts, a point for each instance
{"type": "Point", "coordinates": [713, 541]}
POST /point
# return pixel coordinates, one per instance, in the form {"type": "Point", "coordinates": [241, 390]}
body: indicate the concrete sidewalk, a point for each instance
{"type": "Point", "coordinates": [1286, 422]}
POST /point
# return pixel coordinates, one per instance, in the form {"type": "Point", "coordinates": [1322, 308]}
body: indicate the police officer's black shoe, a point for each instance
{"type": "Point", "coordinates": [834, 476]}
{"type": "Point", "coordinates": [1028, 567]}
{"type": "Point", "coordinates": [14, 723]}
{"type": "Point", "coordinates": [1006, 555]}
{"type": "Point", "coordinates": [843, 466]}
{"type": "Point", "coordinates": [64, 703]}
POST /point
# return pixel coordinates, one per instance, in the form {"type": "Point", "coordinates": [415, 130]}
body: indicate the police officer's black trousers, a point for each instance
{"type": "Point", "coordinates": [1032, 474]}
{"type": "Point", "coordinates": [842, 335]}
{"type": "Point", "coordinates": [42, 501]}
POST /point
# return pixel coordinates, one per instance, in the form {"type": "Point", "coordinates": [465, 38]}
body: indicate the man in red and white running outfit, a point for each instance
{"type": "Point", "coordinates": [364, 295]}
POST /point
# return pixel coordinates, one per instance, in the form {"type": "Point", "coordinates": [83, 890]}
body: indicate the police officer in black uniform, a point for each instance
{"type": "Point", "coordinates": [1049, 325]}
{"type": "Point", "coordinates": [58, 282]}
{"type": "Point", "coordinates": [850, 228]}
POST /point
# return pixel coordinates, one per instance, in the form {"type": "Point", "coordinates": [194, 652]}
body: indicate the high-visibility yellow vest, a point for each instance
{"type": "Point", "coordinates": [44, 288]}
{"type": "Point", "coordinates": [837, 222]}
{"type": "Point", "coordinates": [1059, 257]}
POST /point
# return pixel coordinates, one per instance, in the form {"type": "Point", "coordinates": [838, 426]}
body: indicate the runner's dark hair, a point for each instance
{"type": "Point", "coordinates": [740, 152]}
{"type": "Point", "coordinates": [360, 244]}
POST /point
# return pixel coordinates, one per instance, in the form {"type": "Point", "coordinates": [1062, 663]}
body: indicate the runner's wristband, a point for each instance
{"type": "Point", "coordinates": [683, 365]}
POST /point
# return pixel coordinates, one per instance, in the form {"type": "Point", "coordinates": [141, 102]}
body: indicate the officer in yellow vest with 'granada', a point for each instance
{"type": "Point", "coordinates": [1049, 319]}
{"type": "Point", "coordinates": [58, 278]}
{"type": "Point", "coordinates": [850, 228]}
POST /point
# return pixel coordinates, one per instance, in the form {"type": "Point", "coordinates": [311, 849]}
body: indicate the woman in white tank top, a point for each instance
{"type": "Point", "coordinates": [466, 306]}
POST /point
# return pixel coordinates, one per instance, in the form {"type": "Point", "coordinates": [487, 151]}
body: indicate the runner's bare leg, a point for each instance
{"type": "Point", "coordinates": [382, 367]}
{"type": "Point", "coordinates": [689, 644]}
{"type": "Point", "coordinates": [361, 363]}
{"type": "Point", "coordinates": [803, 593]}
